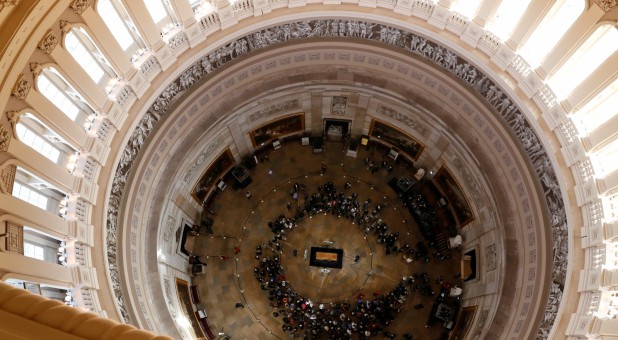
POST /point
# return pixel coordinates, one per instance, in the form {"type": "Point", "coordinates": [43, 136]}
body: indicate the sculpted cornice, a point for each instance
{"type": "Point", "coordinates": [407, 43]}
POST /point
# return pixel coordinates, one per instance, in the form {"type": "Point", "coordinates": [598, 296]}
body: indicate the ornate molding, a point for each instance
{"type": "Point", "coordinates": [491, 256]}
{"type": "Point", "coordinates": [407, 42]}
{"type": "Point", "coordinates": [13, 118]}
{"type": "Point", "coordinates": [404, 119]}
{"type": "Point", "coordinates": [36, 69]}
{"type": "Point", "coordinates": [22, 87]}
{"type": "Point", "coordinates": [49, 42]}
{"type": "Point", "coordinates": [79, 6]}
{"type": "Point", "coordinates": [279, 107]}
{"type": "Point", "coordinates": [65, 26]}
{"type": "Point", "coordinates": [7, 3]}
{"type": "Point", "coordinates": [202, 157]}
{"type": "Point", "coordinates": [470, 182]}
{"type": "Point", "coordinates": [606, 5]}
{"type": "Point", "coordinates": [339, 106]}
{"type": "Point", "coordinates": [5, 138]}
{"type": "Point", "coordinates": [7, 178]}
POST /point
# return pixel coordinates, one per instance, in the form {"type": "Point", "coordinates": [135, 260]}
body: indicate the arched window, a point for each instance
{"type": "Point", "coordinates": [163, 16]}
{"type": "Point", "coordinates": [49, 291]}
{"type": "Point", "coordinates": [467, 8]}
{"type": "Point", "coordinates": [89, 57]}
{"type": "Point", "coordinates": [57, 96]}
{"type": "Point", "coordinates": [597, 111]}
{"type": "Point", "coordinates": [30, 195]}
{"type": "Point", "coordinates": [32, 132]}
{"type": "Point", "coordinates": [111, 11]}
{"type": "Point", "coordinates": [557, 21]}
{"type": "Point", "coordinates": [508, 14]}
{"type": "Point", "coordinates": [43, 247]}
{"type": "Point", "coordinates": [39, 144]}
{"type": "Point", "coordinates": [55, 88]}
{"type": "Point", "coordinates": [593, 52]}
{"type": "Point", "coordinates": [38, 192]}
{"type": "Point", "coordinates": [605, 160]}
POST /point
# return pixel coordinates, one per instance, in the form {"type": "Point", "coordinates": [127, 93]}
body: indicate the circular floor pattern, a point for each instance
{"type": "Point", "coordinates": [322, 284]}
{"type": "Point", "coordinates": [243, 222]}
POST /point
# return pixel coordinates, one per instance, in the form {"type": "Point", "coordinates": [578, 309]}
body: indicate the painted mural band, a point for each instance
{"type": "Point", "coordinates": [397, 138]}
{"type": "Point", "coordinates": [449, 186]}
{"type": "Point", "coordinates": [277, 129]}
{"type": "Point", "coordinates": [216, 170]}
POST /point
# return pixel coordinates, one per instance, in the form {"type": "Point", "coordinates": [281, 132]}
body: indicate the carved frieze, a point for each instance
{"type": "Point", "coordinates": [79, 6]}
{"type": "Point", "coordinates": [202, 157]}
{"type": "Point", "coordinates": [470, 182]}
{"type": "Point", "coordinates": [491, 257]}
{"type": "Point", "coordinates": [14, 238]}
{"type": "Point", "coordinates": [606, 5]}
{"type": "Point", "coordinates": [7, 175]}
{"type": "Point", "coordinates": [405, 119]}
{"type": "Point", "coordinates": [49, 42]}
{"type": "Point", "coordinates": [339, 106]}
{"type": "Point", "coordinates": [5, 138]}
{"type": "Point", "coordinates": [13, 117]}
{"type": "Point", "coordinates": [279, 107]}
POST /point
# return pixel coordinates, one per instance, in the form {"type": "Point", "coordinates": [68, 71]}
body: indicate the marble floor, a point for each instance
{"type": "Point", "coordinates": [241, 222]}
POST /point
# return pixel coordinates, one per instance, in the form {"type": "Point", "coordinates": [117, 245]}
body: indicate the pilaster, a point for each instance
{"type": "Point", "coordinates": [91, 91]}
{"type": "Point", "coordinates": [529, 21]}
{"type": "Point", "coordinates": [486, 11]}
{"type": "Point", "coordinates": [590, 86]}
{"type": "Point", "coordinates": [570, 42]}
{"type": "Point", "coordinates": [56, 119]}
{"type": "Point", "coordinates": [107, 44]}
{"type": "Point", "coordinates": [150, 32]}
{"type": "Point", "coordinates": [183, 10]}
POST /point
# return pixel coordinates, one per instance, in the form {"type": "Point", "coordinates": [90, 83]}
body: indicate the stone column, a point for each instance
{"type": "Point", "coordinates": [150, 32]}
{"type": "Point", "coordinates": [183, 10]}
{"type": "Point", "coordinates": [316, 113]}
{"type": "Point", "coordinates": [598, 79]}
{"type": "Point", "coordinates": [537, 9]}
{"type": "Point", "coordinates": [14, 263]}
{"type": "Point", "coordinates": [570, 42]}
{"type": "Point", "coordinates": [56, 119]}
{"type": "Point", "coordinates": [359, 117]}
{"type": "Point", "coordinates": [107, 44]}
{"type": "Point", "coordinates": [92, 92]}
{"type": "Point", "coordinates": [54, 173]}
{"type": "Point", "coordinates": [239, 139]}
{"type": "Point", "coordinates": [601, 134]}
{"type": "Point", "coordinates": [486, 11]}
{"type": "Point", "coordinates": [227, 17]}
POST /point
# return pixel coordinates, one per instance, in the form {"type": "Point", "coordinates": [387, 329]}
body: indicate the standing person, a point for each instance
{"type": "Point", "coordinates": [248, 195]}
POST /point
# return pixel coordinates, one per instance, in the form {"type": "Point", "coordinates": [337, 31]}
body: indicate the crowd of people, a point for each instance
{"type": "Point", "coordinates": [359, 317]}
{"type": "Point", "coordinates": [362, 318]}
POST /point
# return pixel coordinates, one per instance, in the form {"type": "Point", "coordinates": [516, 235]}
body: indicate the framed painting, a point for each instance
{"type": "Point", "coordinates": [215, 171]}
{"type": "Point", "coordinates": [281, 127]}
{"type": "Point", "coordinates": [397, 138]}
{"type": "Point", "coordinates": [186, 305]}
{"type": "Point", "coordinates": [451, 189]}
{"type": "Point", "coordinates": [464, 321]}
